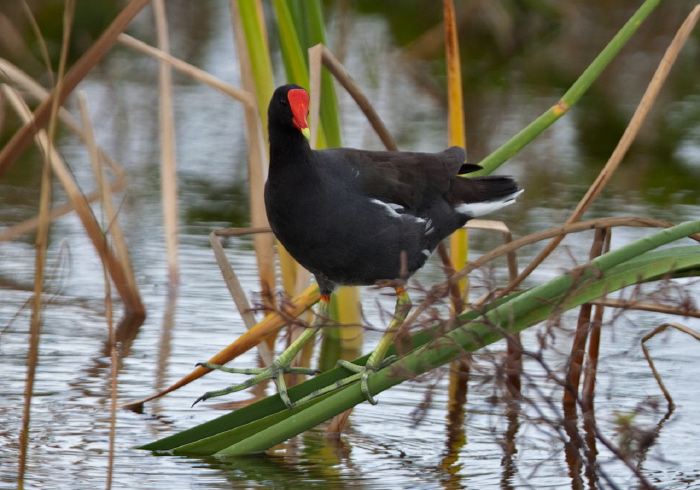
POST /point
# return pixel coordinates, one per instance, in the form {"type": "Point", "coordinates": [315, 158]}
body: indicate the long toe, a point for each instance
{"type": "Point", "coordinates": [276, 372]}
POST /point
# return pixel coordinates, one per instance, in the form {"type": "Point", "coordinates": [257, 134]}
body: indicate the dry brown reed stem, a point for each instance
{"type": "Point", "coordinates": [355, 92]}
{"type": "Point", "coordinates": [257, 168]}
{"type": "Point", "coordinates": [104, 190]}
{"type": "Point", "coordinates": [23, 137]}
{"type": "Point", "coordinates": [590, 372]}
{"type": "Point", "coordinates": [192, 71]}
{"type": "Point", "coordinates": [168, 162]}
{"type": "Point", "coordinates": [643, 306]}
{"type": "Point", "coordinates": [623, 145]}
{"type": "Point", "coordinates": [440, 290]}
{"type": "Point", "coordinates": [578, 346]}
{"type": "Point", "coordinates": [110, 217]}
{"type": "Point", "coordinates": [658, 330]}
{"type": "Point", "coordinates": [20, 79]}
{"type": "Point", "coordinates": [268, 326]}
{"type": "Point", "coordinates": [233, 284]}
{"type": "Point", "coordinates": [42, 235]}
{"type": "Point", "coordinates": [41, 245]}
{"type": "Point", "coordinates": [129, 295]}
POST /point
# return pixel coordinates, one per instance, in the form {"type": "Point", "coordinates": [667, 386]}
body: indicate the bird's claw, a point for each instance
{"type": "Point", "coordinates": [275, 371]}
{"type": "Point", "coordinates": [365, 372]}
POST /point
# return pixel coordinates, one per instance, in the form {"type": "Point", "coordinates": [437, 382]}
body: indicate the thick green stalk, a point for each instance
{"type": "Point", "coordinates": [520, 140]}
{"type": "Point", "coordinates": [259, 58]}
{"type": "Point", "coordinates": [295, 62]}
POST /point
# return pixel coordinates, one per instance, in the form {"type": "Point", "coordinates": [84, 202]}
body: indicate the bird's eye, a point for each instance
{"type": "Point", "coordinates": [284, 101]}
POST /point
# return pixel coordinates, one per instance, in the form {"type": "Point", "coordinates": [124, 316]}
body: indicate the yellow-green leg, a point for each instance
{"type": "Point", "coordinates": [280, 366]}
{"type": "Point", "coordinates": [377, 359]}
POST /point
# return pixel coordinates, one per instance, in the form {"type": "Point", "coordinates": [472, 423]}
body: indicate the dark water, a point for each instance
{"type": "Point", "coordinates": [391, 444]}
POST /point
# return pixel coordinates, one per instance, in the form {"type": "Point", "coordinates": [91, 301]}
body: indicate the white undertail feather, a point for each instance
{"type": "Point", "coordinates": [474, 209]}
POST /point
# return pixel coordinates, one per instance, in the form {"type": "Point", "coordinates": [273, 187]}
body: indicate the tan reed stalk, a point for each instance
{"type": "Point", "coordinates": [198, 74]}
{"type": "Point", "coordinates": [23, 137]}
{"type": "Point", "coordinates": [257, 173]}
{"type": "Point", "coordinates": [168, 162]}
{"type": "Point", "coordinates": [41, 244]}
{"type": "Point", "coordinates": [42, 237]}
{"type": "Point", "coordinates": [105, 190]}
{"type": "Point", "coordinates": [37, 307]}
{"type": "Point", "coordinates": [623, 145]}
{"type": "Point", "coordinates": [344, 78]}
{"type": "Point", "coordinates": [234, 286]}
{"type": "Point", "coordinates": [315, 64]}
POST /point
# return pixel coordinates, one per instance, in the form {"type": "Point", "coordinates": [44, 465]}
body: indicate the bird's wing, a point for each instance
{"type": "Point", "coordinates": [409, 179]}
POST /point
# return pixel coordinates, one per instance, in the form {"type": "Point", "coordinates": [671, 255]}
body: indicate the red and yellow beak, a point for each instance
{"type": "Point", "coordinates": [299, 103]}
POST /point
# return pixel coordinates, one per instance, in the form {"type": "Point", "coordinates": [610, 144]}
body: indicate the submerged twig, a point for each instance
{"type": "Point", "coordinates": [657, 376]}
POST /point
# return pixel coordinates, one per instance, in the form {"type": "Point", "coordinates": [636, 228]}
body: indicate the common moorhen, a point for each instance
{"type": "Point", "coordinates": [355, 217]}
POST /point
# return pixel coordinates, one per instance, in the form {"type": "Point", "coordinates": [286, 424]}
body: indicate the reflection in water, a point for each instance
{"type": "Point", "coordinates": [164, 345]}
{"type": "Point", "coordinates": [509, 448]}
{"type": "Point", "coordinates": [455, 427]}
{"type": "Point", "coordinates": [100, 368]}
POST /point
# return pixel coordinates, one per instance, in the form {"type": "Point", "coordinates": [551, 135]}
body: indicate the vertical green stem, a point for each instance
{"type": "Point", "coordinates": [515, 144]}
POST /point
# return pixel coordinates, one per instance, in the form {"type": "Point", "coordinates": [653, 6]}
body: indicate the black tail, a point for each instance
{"type": "Point", "coordinates": [485, 189]}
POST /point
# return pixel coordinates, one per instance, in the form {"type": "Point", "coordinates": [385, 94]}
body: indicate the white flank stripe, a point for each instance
{"type": "Point", "coordinates": [481, 208]}
{"type": "Point", "coordinates": [391, 209]}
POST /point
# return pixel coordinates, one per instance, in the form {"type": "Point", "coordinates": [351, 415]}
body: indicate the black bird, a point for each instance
{"type": "Point", "coordinates": [355, 217]}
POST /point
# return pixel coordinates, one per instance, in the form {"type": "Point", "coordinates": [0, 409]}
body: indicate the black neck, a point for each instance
{"type": "Point", "coordinates": [288, 146]}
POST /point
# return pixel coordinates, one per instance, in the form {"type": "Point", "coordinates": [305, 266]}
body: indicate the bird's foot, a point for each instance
{"type": "Point", "coordinates": [276, 372]}
{"type": "Point", "coordinates": [365, 372]}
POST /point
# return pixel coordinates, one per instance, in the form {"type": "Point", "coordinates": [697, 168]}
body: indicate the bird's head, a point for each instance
{"type": "Point", "coordinates": [289, 108]}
